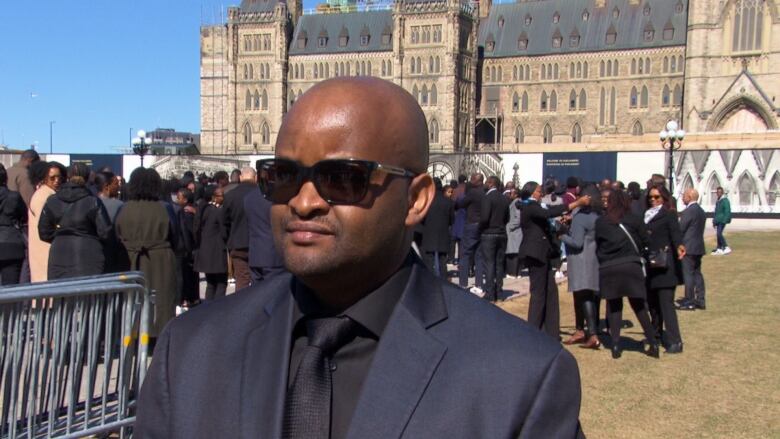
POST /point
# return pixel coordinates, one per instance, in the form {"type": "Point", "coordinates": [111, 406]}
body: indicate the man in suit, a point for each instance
{"type": "Point", "coordinates": [359, 340]}
{"type": "Point", "coordinates": [472, 202]}
{"type": "Point", "coordinates": [264, 260]}
{"type": "Point", "coordinates": [234, 226]}
{"type": "Point", "coordinates": [692, 222]}
{"type": "Point", "coordinates": [436, 232]}
{"type": "Point", "coordinates": [19, 178]}
{"type": "Point", "coordinates": [494, 215]}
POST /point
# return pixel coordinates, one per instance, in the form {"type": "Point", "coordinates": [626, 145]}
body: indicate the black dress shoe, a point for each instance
{"type": "Point", "coordinates": [700, 306]}
{"type": "Point", "coordinates": [616, 352]}
{"type": "Point", "coordinates": [653, 351]}
{"type": "Point", "coordinates": [686, 306]}
{"type": "Point", "coordinates": [675, 348]}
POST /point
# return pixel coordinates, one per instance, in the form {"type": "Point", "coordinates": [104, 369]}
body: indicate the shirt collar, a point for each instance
{"type": "Point", "coordinates": [491, 190]}
{"type": "Point", "coordinates": [372, 312]}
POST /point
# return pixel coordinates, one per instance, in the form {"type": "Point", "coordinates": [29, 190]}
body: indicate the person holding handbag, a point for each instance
{"type": "Point", "coordinates": [664, 271]}
{"type": "Point", "coordinates": [619, 237]}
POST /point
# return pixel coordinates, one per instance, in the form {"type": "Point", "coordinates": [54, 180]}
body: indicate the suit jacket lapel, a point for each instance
{"type": "Point", "coordinates": [405, 361]}
{"type": "Point", "coordinates": [264, 372]}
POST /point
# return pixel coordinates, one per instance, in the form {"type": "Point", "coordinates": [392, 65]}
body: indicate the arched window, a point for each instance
{"type": "Point", "coordinates": [579, 69]}
{"type": "Point", "coordinates": [602, 107]}
{"type": "Point", "coordinates": [246, 71]}
{"type": "Point", "coordinates": [248, 104]}
{"type": "Point", "coordinates": [571, 70]}
{"type": "Point", "coordinates": [748, 195]}
{"type": "Point", "coordinates": [666, 96]}
{"type": "Point", "coordinates": [384, 68]}
{"type": "Point", "coordinates": [677, 96]}
{"type": "Point", "coordinates": [291, 98]}
{"type": "Point", "coordinates": [547, 134]}
{"type": "Point", "coordinates": [424, 95]}
{"type": "Point", "coordinates": [647, 66]}
{"type": "Point", "coordinates": [247, 133]}
{"type": "Point", "coordinates": [773, 194]}
{"type": "Point", "coordinates": [264, 100]}
{"type": "Point", "coordinates": [543, 101]}
{"type": "Point", "coordinates": [389, 68]}
{"type": "Point", "coordinates": [640, 69]}
{"type": "Point", "coordinates": [666, 65]}
{"type": "Point", "coordinates": [433, 131]}
{"type": "Point", "coordinates": [644, 97]}
{"type": "Point", "coordinates": [419, 65]}
{"type": "Point", "coordinates": [633, 66]}
{"type": "Point", "coordinates": [615, 68]}
{"type": "Point", "coordinates": [748, 25]}
{"type": "Point", "coordinates": [524, 103]}
{"type": "Point", "coordinates": [316, 71]}
{"type": "Point", "coordinates": [673, 64]}
{"type": "Point", "coordinates": [601, 68]}
{"type": "Point", "coordinates": [251, 71]}
{"type": "Point", "coordinates": [430, 65]}
{"type": "Point", "coordinates": [434, 98]}
{"type": "Point", "coordinates": [633, 100]}
{"type": "Point", "coordinates": [637, 129]}
{"type": "Point", "coordinates": [527, 73]}
{"type": "Point", "coordinates": [416, 93]}
{"type": "Point", "coordinates": [572, 100]}
{"type": "Point", "coordinates": [609, 67]}
{"type": "Point", "coordinates": [256, 100]}
{"type": "Point", "coordinates": [712, 189]}
{"type": "Point", "coordinates": [519, 134]}
{"type": "Point", "coordinates": [437, 64]}
{"type": "Point", "coordinates": [266, 134]}
{"type": "Point", "coordinates": [585, 70]}
{"type": "Point", "coordinates": [555, 71]}
{"type": "Point", "coordinates": [544, 71]}
{"type": "Point", "coordinates": [514, 73]}
{"type": "Point", "coordinates": [500, 74]}
{"type": "Point", "coordinates": [612, 106]}
{"type": "Point", "coordinates": [583, 100]}
{"type": "Point", "coordinates": [576, 133]}
{"type": "Point", "coordinates": [515, 102]}
{"type": "Point", "coordinates": [680, 63]}
{"type": "Point", "coordinates": [553, 101]}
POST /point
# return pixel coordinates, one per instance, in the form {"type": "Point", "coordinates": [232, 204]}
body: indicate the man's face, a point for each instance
{"type": "Point", "coordinates": [537, 194]}
{"type": "Point", "coordinates": [317, 238]}
{"type": "Point", "coordinates": [719, 192]}
{"type": "Point", "coordinates": [687, 198]}
{"type": "Point", "coordinates": [181, 200]}
{"type": "Point", "coordinates": [219, 196]}
{"type": "Point", "coordinates": [448, 191]}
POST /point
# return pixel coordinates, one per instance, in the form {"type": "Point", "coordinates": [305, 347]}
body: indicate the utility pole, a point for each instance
{"type": "Point", "coordinates": [51, 136]}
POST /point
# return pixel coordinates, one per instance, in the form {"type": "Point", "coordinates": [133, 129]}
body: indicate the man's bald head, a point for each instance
{"type": "Point", "coordinates": [380, 118]}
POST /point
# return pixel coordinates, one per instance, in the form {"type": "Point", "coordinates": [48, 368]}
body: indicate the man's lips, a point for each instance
{"type": "Point", "coordinates": [305, 233]}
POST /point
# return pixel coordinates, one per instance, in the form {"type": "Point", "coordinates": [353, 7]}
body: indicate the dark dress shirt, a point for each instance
{"type": "Point", "coordinates": [352, 361]}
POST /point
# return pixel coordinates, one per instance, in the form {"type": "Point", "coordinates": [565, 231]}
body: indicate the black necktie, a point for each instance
{"type": "Point", "coordinates": [307, 407]}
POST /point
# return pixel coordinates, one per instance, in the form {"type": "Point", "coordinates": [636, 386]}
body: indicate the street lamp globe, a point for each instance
{"type": "Point", "coordinates": [671, 125]}
{"type": "Point", "coordinates": [663, 135]}
{"type": "Point", "coordinates": [141, 133]}
{"type": "Point", "coordinates": [136, 140]}
{"type": "Point", "coordinates": [680, 134]}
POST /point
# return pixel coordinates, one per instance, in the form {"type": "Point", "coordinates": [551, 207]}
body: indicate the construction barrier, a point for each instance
{"type": "Point", "coordinates": [73, 355]}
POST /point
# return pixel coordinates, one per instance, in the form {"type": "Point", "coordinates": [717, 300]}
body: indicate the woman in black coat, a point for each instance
{"type": "Point", "coordinates": [621, 268]}
{"type": "Point", "coordinates": [12, 213]}
{"type": "Point", "coordinates": [76, 224]}
{"type": "Point", "coordinates": [538, 249]}
{"type": "Point", "coordinates": [211, 258]}
{"type": "Point", "coordinates": [665, 241]}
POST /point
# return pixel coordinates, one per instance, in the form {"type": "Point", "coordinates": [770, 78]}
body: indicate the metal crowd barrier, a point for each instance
{"type": "Point", "coordinates": [71, 358]}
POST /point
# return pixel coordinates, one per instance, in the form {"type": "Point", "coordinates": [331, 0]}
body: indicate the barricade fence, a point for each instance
{"type": "Point", "coordinates": [73, 355]}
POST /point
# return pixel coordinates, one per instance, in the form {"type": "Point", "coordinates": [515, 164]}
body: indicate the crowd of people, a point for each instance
{"type": "Point", "coordinates": [614, 241]}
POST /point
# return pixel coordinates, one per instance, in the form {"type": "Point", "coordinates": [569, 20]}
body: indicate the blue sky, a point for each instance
{"type": "Point", "coordinates": [99, 68]}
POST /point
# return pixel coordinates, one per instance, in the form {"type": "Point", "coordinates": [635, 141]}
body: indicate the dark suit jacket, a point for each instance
{"type": "Point", "coordinates": [692, 223]}
{"type": "Point", "coordinates": [494, 213]}
{"type": "Point", "coordinates": [664, 232]}
{"type": "Point", "coordinates": [234, 227]}
{"type": "Point", "coordinates": [220, 370]}
{"type": "Point", "coordinates": [262, 253]}
{"type": "Point", "coordinates": [436, 225]}
{"type": "Point", "coordinates": [539, 243]}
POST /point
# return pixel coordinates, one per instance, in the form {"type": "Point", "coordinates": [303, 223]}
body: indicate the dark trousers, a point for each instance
{"type": "Point", "coordinates": [493, 249]}
{"type": "Point", "coordinates": [543, 310]}
{"type": "Point", "coordinates": [190, 281]}
{"type": "Point", "coordinates": [10, 271]}
{"type": "Point", "coordinates": [216, 285]}
{"type": "Point", "coordinates": [437, 263]}
{"type": "Point", "coordinates": [240, 259]}
{"type": "Point", "coordinates": [694, 281]}
{"type": "Point", "coordinates": [585, 316]}
{"type": "Point", "coordinates": [513, 264]}
{"type": "Point", "coordinates": [262, 273]}
{"type": "Point", "coordinates": [469, 245]}
{"type": "Point", "coordinates": [615, 318]}
{"type": "Point", "coordinates": [664, 315]}
{"type": "Point", "coordinates": [719, 235]}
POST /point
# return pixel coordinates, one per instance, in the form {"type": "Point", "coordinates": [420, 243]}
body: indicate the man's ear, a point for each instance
{"type": "Point", "coordinates": [421, 193]}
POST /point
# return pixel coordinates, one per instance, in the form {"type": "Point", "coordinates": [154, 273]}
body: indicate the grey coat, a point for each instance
{"type": "Point", "coordinates": [514, 232]}
{"type": "Point", "coordinates": [581, 252]}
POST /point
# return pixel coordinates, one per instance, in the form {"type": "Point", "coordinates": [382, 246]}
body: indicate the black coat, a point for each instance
{"type": "Point", "coordinates": [262, 253]}
{"type": "Point", "coordinates": [613, 246]}
{"type": "Point", "coordinates": [472, 202]}
{"type": "Point", "coordinates": [211, 257]}
{"type": "Point", "coordinates": [539, 241]}
{"type": "Point", "coordinates": [234, 225]}
{"type": "Point", "coordinates": [494, 213]}
{"type": "Point", "coordinates": [664, 235]}
{"type": "Point", "coordinates": [692, 222]}
{"type": "Point", "coordinates": [13, 212]}
{"type": "Point", "coordinates": [436, 225]}
{"type": "Point", "coordinates": [76, 223]}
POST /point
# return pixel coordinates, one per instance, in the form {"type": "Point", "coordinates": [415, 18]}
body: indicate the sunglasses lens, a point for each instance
{"type": "Point", "coordinates": [342, 182]}
{"type": "Point", "coordinates": [278, 179]}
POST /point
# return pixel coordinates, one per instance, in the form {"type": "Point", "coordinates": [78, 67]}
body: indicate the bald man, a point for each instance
{"type": "Point", "coordinates": [359, 340]}
{"type": "Point", "coordinates": [692, 223]}
{"type": "Point", "coordinates": [234, 226]}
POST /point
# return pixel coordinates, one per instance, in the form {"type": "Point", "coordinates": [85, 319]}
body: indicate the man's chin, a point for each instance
{"type": "Point", "coordinates": [308, 262]}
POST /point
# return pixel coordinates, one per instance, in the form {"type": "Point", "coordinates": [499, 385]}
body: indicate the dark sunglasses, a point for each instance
{"type": "Point", "coordinates": [338, 181]}
{"type": "Point", "coordinates": [654, 197]}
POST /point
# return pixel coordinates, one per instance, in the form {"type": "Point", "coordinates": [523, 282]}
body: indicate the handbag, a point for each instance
{"type": "Point", "coordinates": [636, 248]}
{"type": "Point", "coordinates": [658, 258]}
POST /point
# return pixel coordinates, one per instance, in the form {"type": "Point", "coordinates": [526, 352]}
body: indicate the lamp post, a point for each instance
{"type": "Point", "coordinates": [141, 145]}
{"type": "Point", "coordinates": [51, 136]}
{"type": "Point", "coordinates": [671, 140]}
{"type": "Point", "coordinates": [515, 176]}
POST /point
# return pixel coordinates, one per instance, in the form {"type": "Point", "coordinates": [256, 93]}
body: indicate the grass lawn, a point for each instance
{"type": "Point", "coordinates": [727, 382]}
